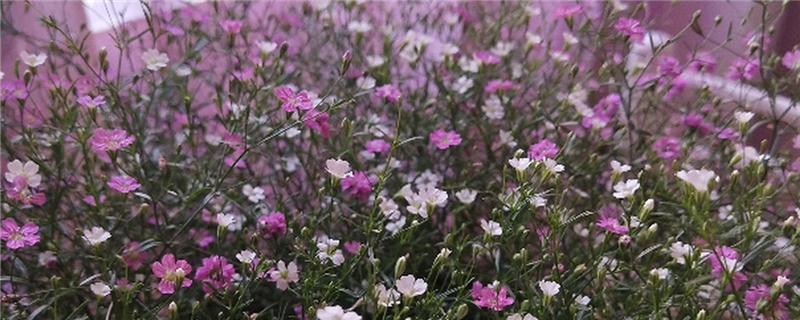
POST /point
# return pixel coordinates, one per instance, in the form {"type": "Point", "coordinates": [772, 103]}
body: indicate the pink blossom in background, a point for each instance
{"type": "Point", "coordinates": [123, 184]}
{"type": "Point", "coordinates": [703, 61]}
{"type": "Point", "coordinates": [89, 102]}
{"type": "Point", "coordinates": [791, 60]}
{"type": "Point", "coordinates": [631, 28]}
{"type": "Point", "coordinates": [670, 66]}
{"type": "Point", "coordinates": [318, 121]}
{"type": "Point", "coordinates": [762, 293]}
{"type": "Point", "coordinates": [487, 57]}
{"type": "Point", "coordinates": [567, 11]}
{"type": "Point", "coordinates": [389, 92]}
{"type": "Point", "coordinates": [377, 146]}
{"type": "Point", "coordinates": [110, 140]}
{"type": "Point", "coordinates": [352, 246]}
{"type": "Point", "coordinates": [358, 185]}
{"type": "Point", "coordinates": [272, 224]}
{"type": "Point", "coordinates": [668, 147]}
{"type": "Point", "coordinates": [231, 26]}
{"type": "Point", "coordinates": [495, 85]}
{"type": "Point", "coordinates": [133, 255]}
{"type": "Point", "coordinates": [543, 149]}
{"type": "Point", "coordinates": [489, 297]}
{"type": "Point", "coordinates": [445, 139]}
{"type": "Point", "coordinates": [727, 133]}
{"type": "Point", "coordinates": [16, 237]}
{"type": "Point", "coordinates": [215, 274]}
{"type": "Point", "coordinates": [744, 69]}
{"type": "Point", "coordinates": [293, 101]}
{"type": "Point", "coordinates": [13, 89]}
{"type": "Point", "coordinates": [172, 273]}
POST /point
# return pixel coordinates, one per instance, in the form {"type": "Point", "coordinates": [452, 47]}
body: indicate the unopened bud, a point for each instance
{"type": "Point", "coordinates": [400, 266]}
{"type": "Point", "coordinates": [173, 310]}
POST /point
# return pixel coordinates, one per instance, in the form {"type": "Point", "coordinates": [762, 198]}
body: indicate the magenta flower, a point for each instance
{"type": "Point", "coordinates": [15, 89]}
{"type": "Point", "coordinates": [741, 68]}
{"type": "Point", "coordinates": [112, 140]}
{"type": "Point", "coordinates": [292, 101]}
{"type": "Point", "coordinates": [488, 297]}
{"type": "Point", "coordinates": [171, 273]}
{"type": "Point", "coordinates": [273, 224]}
{"type": "Point", "coordinates": [762, 294]}
{"type": "Point", "coordinates": [725, 260]}
{"type": "Point", "coordinates": [91, 103]}
{"type": "Point", "coordinates": [20, 192]}
{"type": "Point", "coordinates": [231, 26]}
{"type": "Point", "coordinates": [377, 146]}
{"type": "Point", "coordinates": [389, 92]}
{"type": "Point", "coordinates": [16, 237]}
{"type": "Point", "coordinates": [215, 273]}
{"type": "Point", "coordinates": [358, 184]}
{"type": "Point", "coordinates": [123, 184]}
{"type": "Point", "coordinates": [445, 139]}
{"type": "Point", "coordinates": [631, 28]}
{"type": "Point", "coordinates": [567, 11]}
{"type": "Point", "coordinates": [318, 121]}
{"type": "Point", "coordinates": [704, 61]}
{"type": "Point", "coordinates": [791, 60]}
{"type": "Point", "coordinates": [696, 121]}
{"type": "Point", "coordinates": [727, 133]}
{"type": "Point", "coordinates": [134, 255]}
{"type": "Point", "coordinates": [543, 149]}
{"type": "Point", "coordinates": [669, 66]}
{"type": "Point", "coordinates": [667, 147]}
{"type": "Point", "coordinates": [612, 225]}
{"type": "Point", "coordinates": [352, 246]}
{"type": "Point", "coordinates": [495, 85]}
{"type": "Point", "coordinates": [487, 57]}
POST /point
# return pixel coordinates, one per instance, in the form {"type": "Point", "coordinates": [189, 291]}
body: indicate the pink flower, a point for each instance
{"type": "Point", "coordinates": [612, 225]}
{"type": "Point", "coordinates": [90, 102]}
{"type": "Point", "coordinates": [772, 311]}
{"type": "Point", "coordinates": [171, 273]}
{"type": "Point", "coordinates": [358, 185]}
{"type": "Point", "coordinates": [567, 11]}
{"type": "Point", "coordinates": [292, 101]}
{"type": "Point", "coordinates": [670, 67]}
{"type": "Point", "coordinates": [667, 147]}
{"type": "Point", "coordinates": [231, 26]}
{"type": "Point", "coordinates": [695, 121]}
{"type": "Point", "coordinates": [727, 133]}
{"type": "Point", "coordinates": [13, 89]}
{"type": "Point", "coordinates": [215, 273]}
{"type": "Point", "coordinates": [377, 146]}
{"type": "Point", "coordinates": [389, 92]}
{"type": "Point", "coordinates": [352, 246]}
{"type": "Point", "coordinates": [20, 192]}
{"type": "Point", "coordinates": [495, 85]}
{"type": "Point", "coordinates": [445, 139]}
{"type": "Point", "coordinates": [133, 255]}
{"type": "Point", "coordinates": [17, 237]}
{"type": "Point", "coordinates": [318, 121]}
{"type": "Point", "coordinates": [791, 60]}
{"type": "Point", "coordinates": [487, 57]}
{"type": "Point", "coordinates": [631, 28]}
{"type": "Point", "coordinates": [741, 68]}
{"type": "Point", "coordinates": [123, 184]}
{"type": "Point", "coordinates": [489, 297]}
{"type": "Point", "coordinates": [725, 260]}
{"type": "Point", "coordinates": [116, 139]}
{"type": "Point", "coordinates": [273, 224]}
{"type": "Point", "coordinates": [543, 149]}
{"type": "Point", "coordinates": [704, 61]}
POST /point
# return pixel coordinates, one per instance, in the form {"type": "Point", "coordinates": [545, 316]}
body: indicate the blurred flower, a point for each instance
{"type": "Point", "coordinates": [155, 60]}
{"type": "Point", "coordinates": [123, 184]}
{"type": "Point", "coordinates": [32, 60]}
{"type": "Point", "coordinates": [96, 235]}
{"type": "Point", "coordinates": [16, 237]}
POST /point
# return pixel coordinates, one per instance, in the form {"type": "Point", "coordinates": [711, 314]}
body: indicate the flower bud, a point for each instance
{"type": "Point", "coordinates": [173, 310]}
{"type": "Point", "coordinates": [399, 267]}
{"type": "Point", "coordinates": [461, 312]}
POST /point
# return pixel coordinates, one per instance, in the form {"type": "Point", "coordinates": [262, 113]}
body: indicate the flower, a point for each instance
{"type": "Point", "coordinates": [231, 26]}
{"type": "Point", "coordinates": [743, 116]}
{"type": "Point", "coordinates": [699, 179]}
{"type": "Point", "coordinates": [111, 140]}
{"type": "Point", "coordinates": [134, 255]}
{"type": "Point", "coordinates": [445, 139]}
{"type": "Point", "coordinates": [466, 196]}
{"type": "Point", "coordinates": [660, 273]}
{"type": "Point", "coordinates": [292, 101]}
{"type": "Point", "coordinates": [155, 60]}
{"type": "Point", "coordinates": [619, 168]}
{"type": "Point", "coordinates": [549, 288]}
{"type": "Point", "coordinates": [491, 227]}
{"type": "Point", "coordinates": [272, 224]}
{"type": "Point", "coordinates": [266, 47]}
{"type": "Point", "coordinates": [254, 194]}
{"type": "Point", "coordinates": [328, 250]}
{"type": "Point", "coordinates": [679, 251]}
{"type": "Point", "coordinates": [410, 287]}
{"type": "Point", "coordinates": [336, 313]}
{"type": "Point", "coordinates": [338, 168]}
{"type": "Point", "coordinates": [284, 275]}
{"type": "Point", "coordinates": [96, 235]}
{"type": "Point", "coordinates": [358, 184]}
{"type": "Point", "coordinates": [667, 148]}
{"type": "Point", "coordinates": [493, 108]}
{"type": "Point", "coordinates": [100, 289]}
{"type": "Point", "coordinates": [29, 171]}
{"type": "Point", "coordinates": [90, 102]}
{"type": "Point", "coordinates": [356, 26]}
{"type": "Point", "coordinates": [16, 237]}
{"type": "Point", "coordinates": [389, 92]}
{"type": "Point", "coordinates": [761, 303]}
{"type": "Point", "coordinates": [215, 273]}
{"type": "Point", "coordinates": [517, 316]}
{"type": "Point", "coordinates": [521, 164]}
{"type": "Point", "coordinates": [224, 219]}
{"type": "Point", "coordinates": [612, 225]}
{"type": "Point", "coordinates": [33, 60]}
{"type": "Point", "coordinates": [123, 184]}
{"type": "Point", "coordinates": [543, 149]}
{"type": "Point", "coordinates": [626, 189]}
{"type": "Point", "coordinates": [171, 273]}
{"type": "Point", "coordinates": [791, 60]}
{"type": "Point", "coordinates": [386, 297]}
{"type": "Point", "coordinates": [246, 256]}
{"type": "Point", "coordinates": [365, 83]}
{"type": "Point", "coordinates": [552, 165]}
{"type": "Point", "coordinates": [318, 121]}
{"type": "Point", "coordinates": [489, 297]}
{"type": "Point", "coordinates": [631, 28]}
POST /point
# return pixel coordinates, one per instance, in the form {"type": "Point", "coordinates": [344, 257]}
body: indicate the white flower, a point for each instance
{"type": "Point", "coordinates": [583, 300]}
{"type": "Point", "coordinates": [338, 168]}
{"type": "Point", "coordinates": [359, 26]}
{"type": "Point", "coordinates": [462, 85]}
{"type": "Point", "coordinates": [743, 116]}
{"type": "Point", "coordinates": [254, 194]}
{"type": "Point", "coordinates": [748, 155]}
{"type": "Point", "coordinates": [626, 189]}
{"type": "Point", "coordinates": [502, 49]}
{"type": "Point", "coordinates": [96, 236]}
{"type": "Point", "coordinates": [569, 38]}
{"type": "Point", "coordinates": [389, 208]}
{"type": "Point", "coordinates": [284, 274]}
{"type": "Point", "coordinates": [394, 226]}
{"type": "Point", "coordinates": [375, 61]}
{"type": "Point", "coordinates": [266, 47]}
{"type": "Point", "coordinates": [155, 60]}
{"type": "Point", "coordinates": [29, 170]}
{"type": "Point", "coordinates": [517, 316]}
{"type": "Point", "coordinates": [699, 179]}
{"type": "Point", "coordinates": [533, 39]}
{"type": "Point", "coordinates": [386, 297]}
{"type": "Point", "coordinates": [428, 179]}
{"type": "Point", "coordinates": [224, 219]}
{"type": "Point", "coordinates": [365, 83]}
{"type": "Point", "coordinates": [493, 108]}
{"type": "Point", "coordinates": [100, 289]}
{"type": "Point", "coordinates": [410, 53]}
{"type": "Point", "coordinates": [336, 313]}
{"type": "Point", "coordinates": [328, 250]}
{"type": "Point", "coordinates": [507, 139]}
{"type": "Point", "coordinates": [618, 168]}
{"type": "Point", "coordinates": [649, 204]}
{"type": "Point", "coordinates": [781, 281]}
{"type": "Point", "coordinates": [33, 60]}
{"type": "Point", "coordinates": [466, 196]}
{"type": "Point", "coordinates": [410, 287]}
{"type": "Point", "coordinates": [491, 227]}
{"type": "Point", "coordinates": [661, 273]}
{"type": "Point", "coordinates": [183, 71]}
{"type": "Point", "coordinates": [443, 254]}
{"type": "Point", "coordinates": [246, 256]}
{"type": "Point", "coordinates": [521, 164]}
{"type": "Point", "coordinates": [552, 165]}
{"type": "Point", "coordinates": [538, 201]}
{"type": "Point", "coordinates": [469, 65]}
{"type": "Point", "coordinates": [47, 257]}
{"type": "Point", "coordinates": [549, 288]}
{"type": "Point", "coordinates": [433, 197]}
{"type": "Point", "coordinates": [449, 49]}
